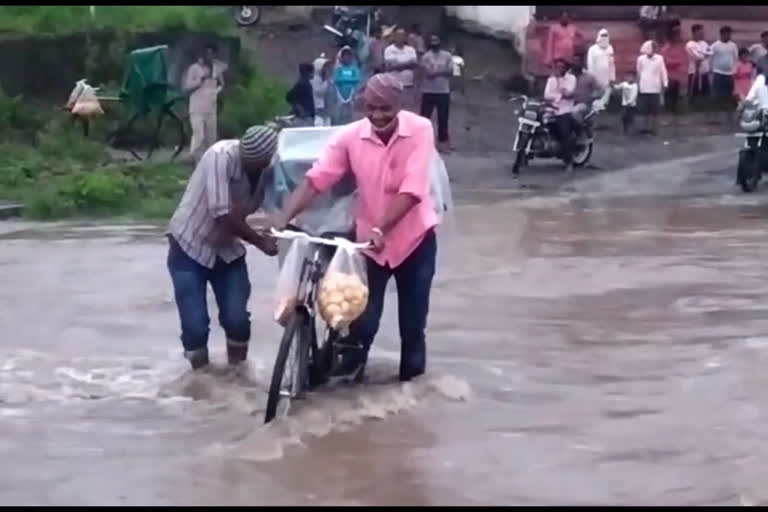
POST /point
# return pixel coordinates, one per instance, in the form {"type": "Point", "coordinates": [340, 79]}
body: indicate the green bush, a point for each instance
{"type": "Point", "coordinates": [255, 100]}
{"type": "Point", "coordinates": [61, 19]}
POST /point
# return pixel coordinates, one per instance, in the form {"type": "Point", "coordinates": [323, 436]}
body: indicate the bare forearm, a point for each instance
{"type": "Point", "coordinates": [298, 200]}
{"type": "Point", "coordinates": [235, 225]}
{"type": "Point", "coordinates": [401, 205]}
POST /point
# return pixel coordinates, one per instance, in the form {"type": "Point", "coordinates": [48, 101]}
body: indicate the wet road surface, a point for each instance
{"type": "Point", "coordinates": [605, 344]}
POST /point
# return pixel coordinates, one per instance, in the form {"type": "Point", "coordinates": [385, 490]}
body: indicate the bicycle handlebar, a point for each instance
{"type": "Point", "coordinates": [335, 242]}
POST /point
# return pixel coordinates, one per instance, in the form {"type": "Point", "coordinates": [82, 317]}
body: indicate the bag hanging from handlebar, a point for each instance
{"type": "Point", "coordinates": [289, 278]}
{"type": "Point", "coordinates": [344, 289]}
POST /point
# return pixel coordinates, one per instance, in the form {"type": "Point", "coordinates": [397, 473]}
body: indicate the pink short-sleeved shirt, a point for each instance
{"type": "Point", "coordinates": [382, 172]}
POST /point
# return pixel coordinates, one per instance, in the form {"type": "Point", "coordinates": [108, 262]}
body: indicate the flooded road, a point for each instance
{"type": "Point", "coordinates": [606, 344]}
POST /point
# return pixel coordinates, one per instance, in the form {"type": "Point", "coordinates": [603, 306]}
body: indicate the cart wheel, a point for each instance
{"type": "Point", "coordinates": [142, 146]}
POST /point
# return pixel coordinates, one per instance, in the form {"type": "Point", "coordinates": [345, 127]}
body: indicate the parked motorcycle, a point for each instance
{"type": "Point", "coordinates": [753, 157]}
{"type": "Point", "coordinates": [535, 134]}
{"type": "Point", "coordinates": [247, 15]}
{"type": "Point", "coordinates": [351, 23]}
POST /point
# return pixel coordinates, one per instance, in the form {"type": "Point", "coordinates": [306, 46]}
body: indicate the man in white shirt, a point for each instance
{"type": "Point", "coordinates": [725, 54]}
{"type": "Point", "coordinates": [204, 81]}
{"type": "Point", "coordinates": [559, 91]}
{"type": "Point", "coordinates": [759, 52]}
{"type": "Point", "coordinates": [402, 59]}
{"type": "Point", "coordinates": [652, 81]}
{"type": "Point", "coordinates": [698, 65]}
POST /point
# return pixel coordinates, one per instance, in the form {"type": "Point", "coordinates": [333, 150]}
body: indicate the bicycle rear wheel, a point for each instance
{"type": "Point", "coordinates": [290, 373]}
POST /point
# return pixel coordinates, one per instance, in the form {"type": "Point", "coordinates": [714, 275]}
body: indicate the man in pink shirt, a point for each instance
{"type": "Point", "coordinates": [562, 40]}
{"type": "Point", "coordinates": [389, 153]}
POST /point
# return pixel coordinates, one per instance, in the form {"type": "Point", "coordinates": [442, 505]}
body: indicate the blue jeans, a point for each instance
{"type": "Point", "coordinates": [231, 287]}
{"type": "Point", "coordinates": [414, 284]}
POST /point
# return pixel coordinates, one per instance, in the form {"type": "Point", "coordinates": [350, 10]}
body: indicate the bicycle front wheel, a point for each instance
{"type": "Point", "coordinates": [289, 376]}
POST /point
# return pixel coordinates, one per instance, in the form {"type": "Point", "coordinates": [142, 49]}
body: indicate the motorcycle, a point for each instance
{"type": "Point", "coordinates": [753, 157]}
{"type": "Point", "coordinates": [351, 24]}
{"type": "Point", "coordinates": [247, 15]}
{"type": "Point", "coordinates": [535, 134]}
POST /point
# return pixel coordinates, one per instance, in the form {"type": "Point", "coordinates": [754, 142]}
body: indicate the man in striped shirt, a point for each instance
{"type": "Point", "coordinates": [204, 236]}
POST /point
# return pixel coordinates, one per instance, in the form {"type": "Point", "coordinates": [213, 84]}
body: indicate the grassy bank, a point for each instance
{"type": "Point", "coordinates": [58, 173]}
{"type": "Point", "coordinates": [48, 164]}
{"type": "Point", "coordinates": [64, 19]}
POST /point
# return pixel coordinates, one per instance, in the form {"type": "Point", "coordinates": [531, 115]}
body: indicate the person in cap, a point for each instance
{"type": "Point", "coordinates": [389, 152]}
{"type": "Point", "coordinates": [205, 236]}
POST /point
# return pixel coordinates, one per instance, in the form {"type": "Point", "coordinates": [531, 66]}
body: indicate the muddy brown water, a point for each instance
{"type": "Point", "coordinates": [604, 345]}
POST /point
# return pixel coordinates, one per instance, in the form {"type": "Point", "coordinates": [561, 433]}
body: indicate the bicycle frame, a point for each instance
{"type": "Point", "coordinates": [311, 273]}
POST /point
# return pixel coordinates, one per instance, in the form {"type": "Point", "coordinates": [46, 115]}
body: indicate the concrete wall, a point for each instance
{"type": "Point", "coordinates": [500, 21]}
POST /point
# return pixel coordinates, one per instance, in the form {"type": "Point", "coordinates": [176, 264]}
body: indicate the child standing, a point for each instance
{"type": "Point", "coordinates": [629, 90]}
{"type": "Point", "coordinates": [346, 80]}
{"type": "Point", "coordinates": [321, 87]}
{"type": "Point", "coordinates": [458, 70]}
{"type": "Point", "coordinates": [743, 74]}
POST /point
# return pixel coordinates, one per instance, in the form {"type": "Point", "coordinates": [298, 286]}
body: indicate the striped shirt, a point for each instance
{"type": "Point", "coordinates": [217, 185]}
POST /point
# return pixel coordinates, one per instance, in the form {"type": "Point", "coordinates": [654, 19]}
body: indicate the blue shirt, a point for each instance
{"type": "Point", "coordinates": [347, 79]}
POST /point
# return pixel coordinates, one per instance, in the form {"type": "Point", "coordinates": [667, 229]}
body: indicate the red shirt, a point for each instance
{"type": "Point", "coordinates": [676, 59]}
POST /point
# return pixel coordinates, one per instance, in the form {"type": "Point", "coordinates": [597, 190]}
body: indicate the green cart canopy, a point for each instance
{"type": "Point", "coordinates": [145, 85]}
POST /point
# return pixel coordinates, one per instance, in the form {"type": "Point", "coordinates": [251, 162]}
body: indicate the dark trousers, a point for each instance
{"type": "Point", "coordinates": [441, 101]}
{"type": "Point", "coordinates": [231, 287]}
{"type": "Point", "coordinates": [564, 131]}
{"type": "Point", "coordinates": [627, 117]}
{"type": "Point", "coordinates": [414, 284]}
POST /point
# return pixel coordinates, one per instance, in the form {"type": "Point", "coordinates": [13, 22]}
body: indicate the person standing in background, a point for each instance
{"type": "Point", "coordinates": [457, 81]}
{"type": "Point", "coordinates": [301, 97]}
{"type": "Point", "coordinates": [562, 41]}
{"type": "Point", "coordinates": [416, 40]}
{"type": "Point", "coordinates": [346, 80]}
{"type": "Point", "coordinates": [628, 89]}
{"type": "Point", "coordinates": [559, 90]}
{"type": "Point", "coordinates": [725, 55]}
{"type": "Point", "coordinates": [652, 81]}
{"type": "Point", "coordinates": [376, 52]}
{"type": "Point", "coordinates": [601, 64]}
{"type": "Point", "coordinates": [676, 61]}
{"type": "Point", "coordinates": [321, 89]}
{"type": "Point", "coordinates": [759, 53]}
{"type": "Point", "coordinates": [203, 82]}
{"type": "Point", "coordinates": [759, 50]}
{"type": "Point", "coordinates": [698, 67]}
{"type": "Point", "coordinates": [743, 75]}
{"type": "Point", "coordinates": [437, 69]}
{"type": "Point", "coordinates": [402, 59]}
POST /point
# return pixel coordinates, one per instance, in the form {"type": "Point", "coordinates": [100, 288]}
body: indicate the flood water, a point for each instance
{"type": "Point", "coordinates": [602, 345]}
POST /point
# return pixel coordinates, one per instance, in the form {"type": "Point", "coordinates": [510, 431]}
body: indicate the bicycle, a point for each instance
{"type": "Point", "coordinates": [298, 347]}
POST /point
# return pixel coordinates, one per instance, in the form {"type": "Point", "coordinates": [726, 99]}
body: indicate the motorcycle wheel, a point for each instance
{"type": "Point", "coordinates": [247, 15]}
{"type": "Point", "coordinates": [580, 158]}
{"type": "Point", "coordinates": [748, 172]}
{"type": "Point", "coordinates": [520, 155]}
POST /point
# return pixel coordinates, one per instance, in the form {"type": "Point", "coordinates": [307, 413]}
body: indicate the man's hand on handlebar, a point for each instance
{"type": "Point", "coordinates": [376, 239]}
{"type": "Point", "coordinates": [266, 244]}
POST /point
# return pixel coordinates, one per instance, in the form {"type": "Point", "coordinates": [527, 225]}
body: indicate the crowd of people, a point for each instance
{"type": "Point", "coordinates": [326, 91]}
{"type": "Point", "coordinates": [717, 75]}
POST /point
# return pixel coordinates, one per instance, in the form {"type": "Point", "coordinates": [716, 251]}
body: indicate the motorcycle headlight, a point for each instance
{"type": "Point", "coordinates": [530, 114]}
